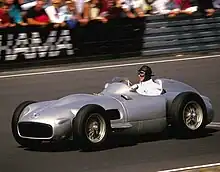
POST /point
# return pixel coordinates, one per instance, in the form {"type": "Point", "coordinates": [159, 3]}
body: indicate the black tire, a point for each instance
{"type": "Point", "coordinates": [15, 118]}
{"type": "Point", "coordinates": [80, 125]}
{"type": "Point", "coordinates": [176, 114]}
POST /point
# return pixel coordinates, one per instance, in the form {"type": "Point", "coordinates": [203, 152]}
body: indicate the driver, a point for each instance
{"type": "Point", "coordinates": [146, 85]}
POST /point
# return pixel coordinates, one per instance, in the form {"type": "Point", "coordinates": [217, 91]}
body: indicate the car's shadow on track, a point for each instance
{"type": "Point", "coordinates": [116, 141]}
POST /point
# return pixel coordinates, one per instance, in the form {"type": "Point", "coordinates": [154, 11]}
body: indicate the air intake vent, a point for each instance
{"type": "Point", "coordinates": [33, 129]}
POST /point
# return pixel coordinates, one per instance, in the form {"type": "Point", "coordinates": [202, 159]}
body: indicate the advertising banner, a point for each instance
{"type": "Point", "coordinates": [29, 43]}
{"type": "Point", "coordinates": [32, 43]}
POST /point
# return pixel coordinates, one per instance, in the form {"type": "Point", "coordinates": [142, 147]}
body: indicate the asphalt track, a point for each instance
{"type": "Point", "coordinates": [150, 153]}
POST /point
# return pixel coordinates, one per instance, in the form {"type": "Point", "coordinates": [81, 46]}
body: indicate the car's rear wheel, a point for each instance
{"type": "Point", "coordinates": [193, 115]}
{"type": "Point", "coordinates": [188, 113]}
{"type": "Point", "coordinates": [91, 126]}
{"type": "Point", "coordinates": [14, 126]}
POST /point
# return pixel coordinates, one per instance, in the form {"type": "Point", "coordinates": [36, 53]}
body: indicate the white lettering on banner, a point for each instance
{"type": "Point", "coordinates": [51, 47]}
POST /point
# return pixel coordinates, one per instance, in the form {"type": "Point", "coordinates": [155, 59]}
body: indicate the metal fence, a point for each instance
{"type": "Point", "coordinates": [181, 34]}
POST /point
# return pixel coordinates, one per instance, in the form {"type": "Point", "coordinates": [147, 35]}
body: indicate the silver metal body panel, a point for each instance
{"type": "Point", "coordinates": [138, 114]}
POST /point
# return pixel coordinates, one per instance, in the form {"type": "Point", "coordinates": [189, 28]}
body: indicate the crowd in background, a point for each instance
{"type": "Point", "coordinates": [71, 12]}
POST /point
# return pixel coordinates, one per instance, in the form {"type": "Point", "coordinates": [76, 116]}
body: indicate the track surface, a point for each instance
{"type": "Point", "coordinates": [124, 155]}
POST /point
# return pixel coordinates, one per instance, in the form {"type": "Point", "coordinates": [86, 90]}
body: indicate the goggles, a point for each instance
{"type": "Point", "coordinates": [141, 73]}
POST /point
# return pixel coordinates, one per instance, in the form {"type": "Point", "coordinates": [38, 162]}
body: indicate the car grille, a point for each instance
{"type": "Point", "coordinates": [33, 129]}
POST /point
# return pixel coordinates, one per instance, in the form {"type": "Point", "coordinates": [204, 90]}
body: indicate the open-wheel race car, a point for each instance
{"type": "Point", "coordinates": [90, 118]}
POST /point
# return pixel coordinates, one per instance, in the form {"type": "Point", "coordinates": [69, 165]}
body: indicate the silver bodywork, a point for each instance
{"type": "Point", "coordinates": [131, 113]}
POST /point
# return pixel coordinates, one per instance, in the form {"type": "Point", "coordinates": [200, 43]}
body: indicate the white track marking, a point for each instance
{"type": "Point", "coordinates": [191, 168]}
{"type": "Point", "coordinates": [214, 124]}
{"type": "Point", "coordinates": [107, 66]}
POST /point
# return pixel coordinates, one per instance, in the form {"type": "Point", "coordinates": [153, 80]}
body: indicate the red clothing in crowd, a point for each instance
{"type": "Point", "coordinates": [184, 4]}
{"type": "Point", "coordinates": [109, 7]}
{"type": "Point", "coordinates": [38, 15]}
{"type": "Point", "coordinates": [4, 17]}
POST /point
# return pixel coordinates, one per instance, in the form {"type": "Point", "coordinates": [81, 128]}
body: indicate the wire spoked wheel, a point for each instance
{"type": "Point", "coordinates": [193, 115]}
{"type": "Point", "coordinates": [95, 128]}
{"type": "Point", "coordinates": [188, 114]}
{"type": "Point", "coordinates": [91, 126]}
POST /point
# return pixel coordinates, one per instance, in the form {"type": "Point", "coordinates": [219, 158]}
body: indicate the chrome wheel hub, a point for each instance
{"type": "Point", "coordinates": [95, 128]}
{"type": "Point", "coordinates": [193, 115]}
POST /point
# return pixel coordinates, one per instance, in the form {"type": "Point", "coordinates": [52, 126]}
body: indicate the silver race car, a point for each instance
{"type": "Point", "coordinates": [90, 118]}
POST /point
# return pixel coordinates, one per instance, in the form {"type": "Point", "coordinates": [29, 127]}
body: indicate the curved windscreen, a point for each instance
{"type": "Point", "coordinates": [121, 80]}
{"type": "Point", "coordinates": [117, 85]}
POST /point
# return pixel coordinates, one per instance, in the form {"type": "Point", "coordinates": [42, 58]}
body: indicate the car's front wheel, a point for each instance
{"type": "Point", "coordinates": [91, 126]}
{"type": "Point", "coordinates": [14, 126]}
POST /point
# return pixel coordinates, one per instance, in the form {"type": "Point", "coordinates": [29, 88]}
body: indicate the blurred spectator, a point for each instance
{"type": "Point", "coordinates": [27, 4]}
{"type": "Point", "coordinates": [133, 8]}
{"type": "Point", "coordinates": [93, 11]}
{"type": "Point", "coordinates": [55, 14]}
{"type": "Point", "coordinates": [69, 13]}
{"type": "Point", "coordinates": [180, 6]}
{"type": "Point", "coordinates": [80, 6]}
{"type": "Point", "coordinates": [15, 12]}
{"type": "Point", "coordinates": [36, 15]}
{"type": "Point", "coordinates": [145, 5]}
{"type": "Point", "coordinates": [206, 7]}
{"type": "Point", "coordinates": [110, 8]}
{"type": "Point", "coordinates": [148, 6]}
{"type": "Point", "coordinates": [82, 9]}
{"type": "Point", "coordinates": [160, 7]}
{"type": "Point", "coordinates": [216, 4]}
{"type": "Point", "coordinates": [5, 20]}
{"type": "Point", "coordinates": [173, 8]}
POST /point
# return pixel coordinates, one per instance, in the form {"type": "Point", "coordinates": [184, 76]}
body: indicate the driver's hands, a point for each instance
{"type": "Point", "coordinates": [134, 88]}
{"type": "Point", "coordinates": [129, 83]}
